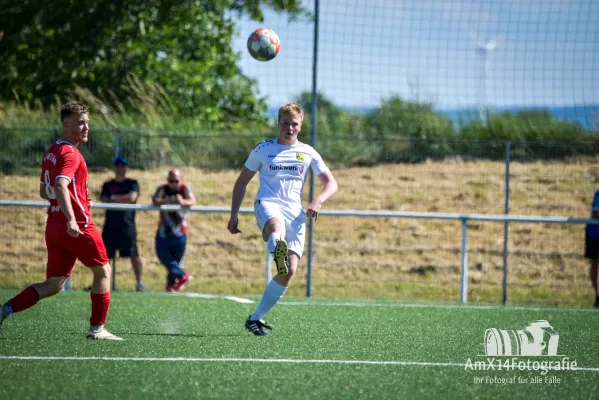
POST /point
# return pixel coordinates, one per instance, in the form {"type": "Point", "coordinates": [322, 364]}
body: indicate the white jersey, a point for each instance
{"type": "Point", "coordinates": [283, 170]}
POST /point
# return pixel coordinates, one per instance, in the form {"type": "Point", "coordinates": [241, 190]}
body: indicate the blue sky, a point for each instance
{"type": "Point", "coordinates": [372, 49]}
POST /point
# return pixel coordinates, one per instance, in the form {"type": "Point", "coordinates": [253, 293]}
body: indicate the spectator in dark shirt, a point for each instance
{"type": "Point", "coordinates": [119, 231]}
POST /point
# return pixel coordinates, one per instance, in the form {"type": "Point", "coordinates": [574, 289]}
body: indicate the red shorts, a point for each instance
{"type": "Point", "coordinates": [64, 250]}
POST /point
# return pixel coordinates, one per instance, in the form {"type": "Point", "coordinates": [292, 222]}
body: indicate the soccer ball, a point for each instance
{"type": "Point", "coordinates": [264, 44]}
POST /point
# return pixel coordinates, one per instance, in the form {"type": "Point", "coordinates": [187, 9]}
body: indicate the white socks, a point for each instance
{"type": "Point", "coordinates": [272, 294]}
{"type": "Point", "coordinates": [271, 243]}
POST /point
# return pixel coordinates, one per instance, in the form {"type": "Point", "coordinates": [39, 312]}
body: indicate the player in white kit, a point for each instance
{"type": "Point", "coordinates": [283, 163]}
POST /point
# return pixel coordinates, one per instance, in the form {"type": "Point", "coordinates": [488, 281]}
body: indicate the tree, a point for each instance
{"type": "Point", "coordinates": [183, 46]}
{"type": "Point", "coordinates": [409, 131]}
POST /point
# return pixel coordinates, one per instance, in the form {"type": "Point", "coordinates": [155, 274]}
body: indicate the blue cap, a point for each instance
{"type": "Point", "coordinates": [120, 160]}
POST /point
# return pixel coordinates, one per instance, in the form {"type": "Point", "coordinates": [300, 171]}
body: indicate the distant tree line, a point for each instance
{"type": "Point", "coordinates": [167, 66]}
{"type": "Point", "coordinates": [398, 131]}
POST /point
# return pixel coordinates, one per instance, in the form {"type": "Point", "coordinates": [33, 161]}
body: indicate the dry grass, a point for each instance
{"type": "Point", "coordinates": [413, 259]}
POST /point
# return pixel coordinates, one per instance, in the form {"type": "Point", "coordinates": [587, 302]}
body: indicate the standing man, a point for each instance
{"type": "Point", "coordinates": [171, 237]}
{"type": "Point", "coordinates": [70, 232]}
{"type": "Point", "coordinates": [119, 231]}
{"type": "Point", "coordinates": [283, 163]}
{"type": "Point", "coordinates": [591, 247]}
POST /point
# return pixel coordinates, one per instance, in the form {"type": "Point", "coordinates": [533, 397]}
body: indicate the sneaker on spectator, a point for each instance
{"type": "Point", "coordinates": [180, 283]}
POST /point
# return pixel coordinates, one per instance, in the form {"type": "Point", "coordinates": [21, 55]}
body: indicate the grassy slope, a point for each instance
{"type": "Point", "coordinates": [361, 257]}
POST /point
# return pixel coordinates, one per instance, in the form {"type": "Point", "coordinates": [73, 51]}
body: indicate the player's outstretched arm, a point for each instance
{"type": "Point", "coordinates": [245, 176]}
{"type": "Point", "coordinates": [329, 188]}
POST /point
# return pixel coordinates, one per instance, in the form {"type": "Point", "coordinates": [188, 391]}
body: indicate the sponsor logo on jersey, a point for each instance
{"type": "Point", "coordinates": [51, 157]}
{"type": "Point", "coordinates": [284, 168]}
{"type": "Point", "coordinates": [301, 169]}
{"type": "Point", "coordinates": [299, 156]}
{"type": "Point", "coordinates": [272, 155]}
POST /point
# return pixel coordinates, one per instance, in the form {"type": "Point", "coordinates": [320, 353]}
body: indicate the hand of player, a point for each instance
{"type": "Point", "coordinates": [232, 226]}
{"type": "Point", "coordinates": [313, 209]}
{"type": "Point", "coordinates": [73, 229]}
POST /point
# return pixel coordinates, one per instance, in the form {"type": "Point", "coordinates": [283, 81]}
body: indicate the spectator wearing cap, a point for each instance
{"type": "Point", "coordinates": [119, 231]}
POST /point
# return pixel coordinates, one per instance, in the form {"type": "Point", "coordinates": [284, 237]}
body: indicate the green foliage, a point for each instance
{"type": "Point", "coordinates": [48, 50]}
{"type": "Point", "coordinates": [399, 131]}
{"type": "Point", "coordinates": [340, 135]}
{"type": "Point", "coordinates": [424, 130]}
{"type": "Point", "coordinates": [526, 129]}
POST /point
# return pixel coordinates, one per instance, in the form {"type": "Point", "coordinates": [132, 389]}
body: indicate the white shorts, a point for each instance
{"type": "Point", "coordinates": [295, 224]}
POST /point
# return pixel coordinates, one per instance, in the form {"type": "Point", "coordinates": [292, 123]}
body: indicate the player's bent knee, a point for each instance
{"type": "Point", "coordinates": [51, 286]}
{"type": "Point", "coordinates": [102, 271]}
{"type": "Point", "coordinates": [274, 224]}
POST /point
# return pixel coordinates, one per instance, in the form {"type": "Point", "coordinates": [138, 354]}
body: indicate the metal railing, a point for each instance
{"type": "Point", "coordinates": [464, 218]}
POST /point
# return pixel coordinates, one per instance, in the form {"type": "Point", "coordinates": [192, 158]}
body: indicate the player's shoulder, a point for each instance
{"type": "Point", "coordinates": [305, 148]}
{"type": "Point", "coordinates": [50, 154]}
{"type": "Point", "coordinates": [264, 145]}
{"type": "Point", "coordinates": [65, 149]}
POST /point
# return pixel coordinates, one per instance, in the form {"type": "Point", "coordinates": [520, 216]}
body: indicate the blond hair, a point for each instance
{"type": "Point", "coordinates": [291, 109]}
{"type": "Point", "coordinates": [72, 107]}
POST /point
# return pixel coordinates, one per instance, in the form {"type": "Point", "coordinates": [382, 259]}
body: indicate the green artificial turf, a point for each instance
{"type": "Point", "coordinates": [185, 347]}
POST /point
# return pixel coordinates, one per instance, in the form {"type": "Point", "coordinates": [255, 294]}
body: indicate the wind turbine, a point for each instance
{"type": "Point", "coordinates": [483, 48]}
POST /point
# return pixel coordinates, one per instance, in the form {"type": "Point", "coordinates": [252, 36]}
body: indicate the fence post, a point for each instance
{"type": "Point", "coordinates": [464, 296]}
{"type": "Point", "coordinates": [117, 152]}
{"type": "Point", "coordinates": [117, 143]}
{"type": "Point", "coordinates": [313, 143]}
{"type": "Point", "coordinates": [113, 274]}
{"type": "Point", "coordinates": [508, 151]}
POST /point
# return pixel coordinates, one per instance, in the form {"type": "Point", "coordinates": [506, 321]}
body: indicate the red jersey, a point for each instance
{"type": "Point", "coordinates": [63, 160]}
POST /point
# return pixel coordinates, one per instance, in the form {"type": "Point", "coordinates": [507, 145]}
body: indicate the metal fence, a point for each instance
{"type": "Point", "coordinates": [352, 256]}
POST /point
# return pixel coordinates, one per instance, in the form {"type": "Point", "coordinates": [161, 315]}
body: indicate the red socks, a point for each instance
{"type": "Point", "coordinates": [100, 305]}
{"type": "Point", "coordinates": [27, 298]}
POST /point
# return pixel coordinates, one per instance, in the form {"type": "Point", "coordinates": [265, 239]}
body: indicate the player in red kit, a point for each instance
{"type": "Point", "coordinates": [70, 232]}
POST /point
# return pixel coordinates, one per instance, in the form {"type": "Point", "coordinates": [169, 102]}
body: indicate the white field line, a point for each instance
{"type": "Point", "coordinates": [263, 360]}
{"type": "Point", "coordinates": [213, 296]}
{"type": "Point", "coordinates": [400, 305]}
{"type": "Point", "coordinates": [418, 305]}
